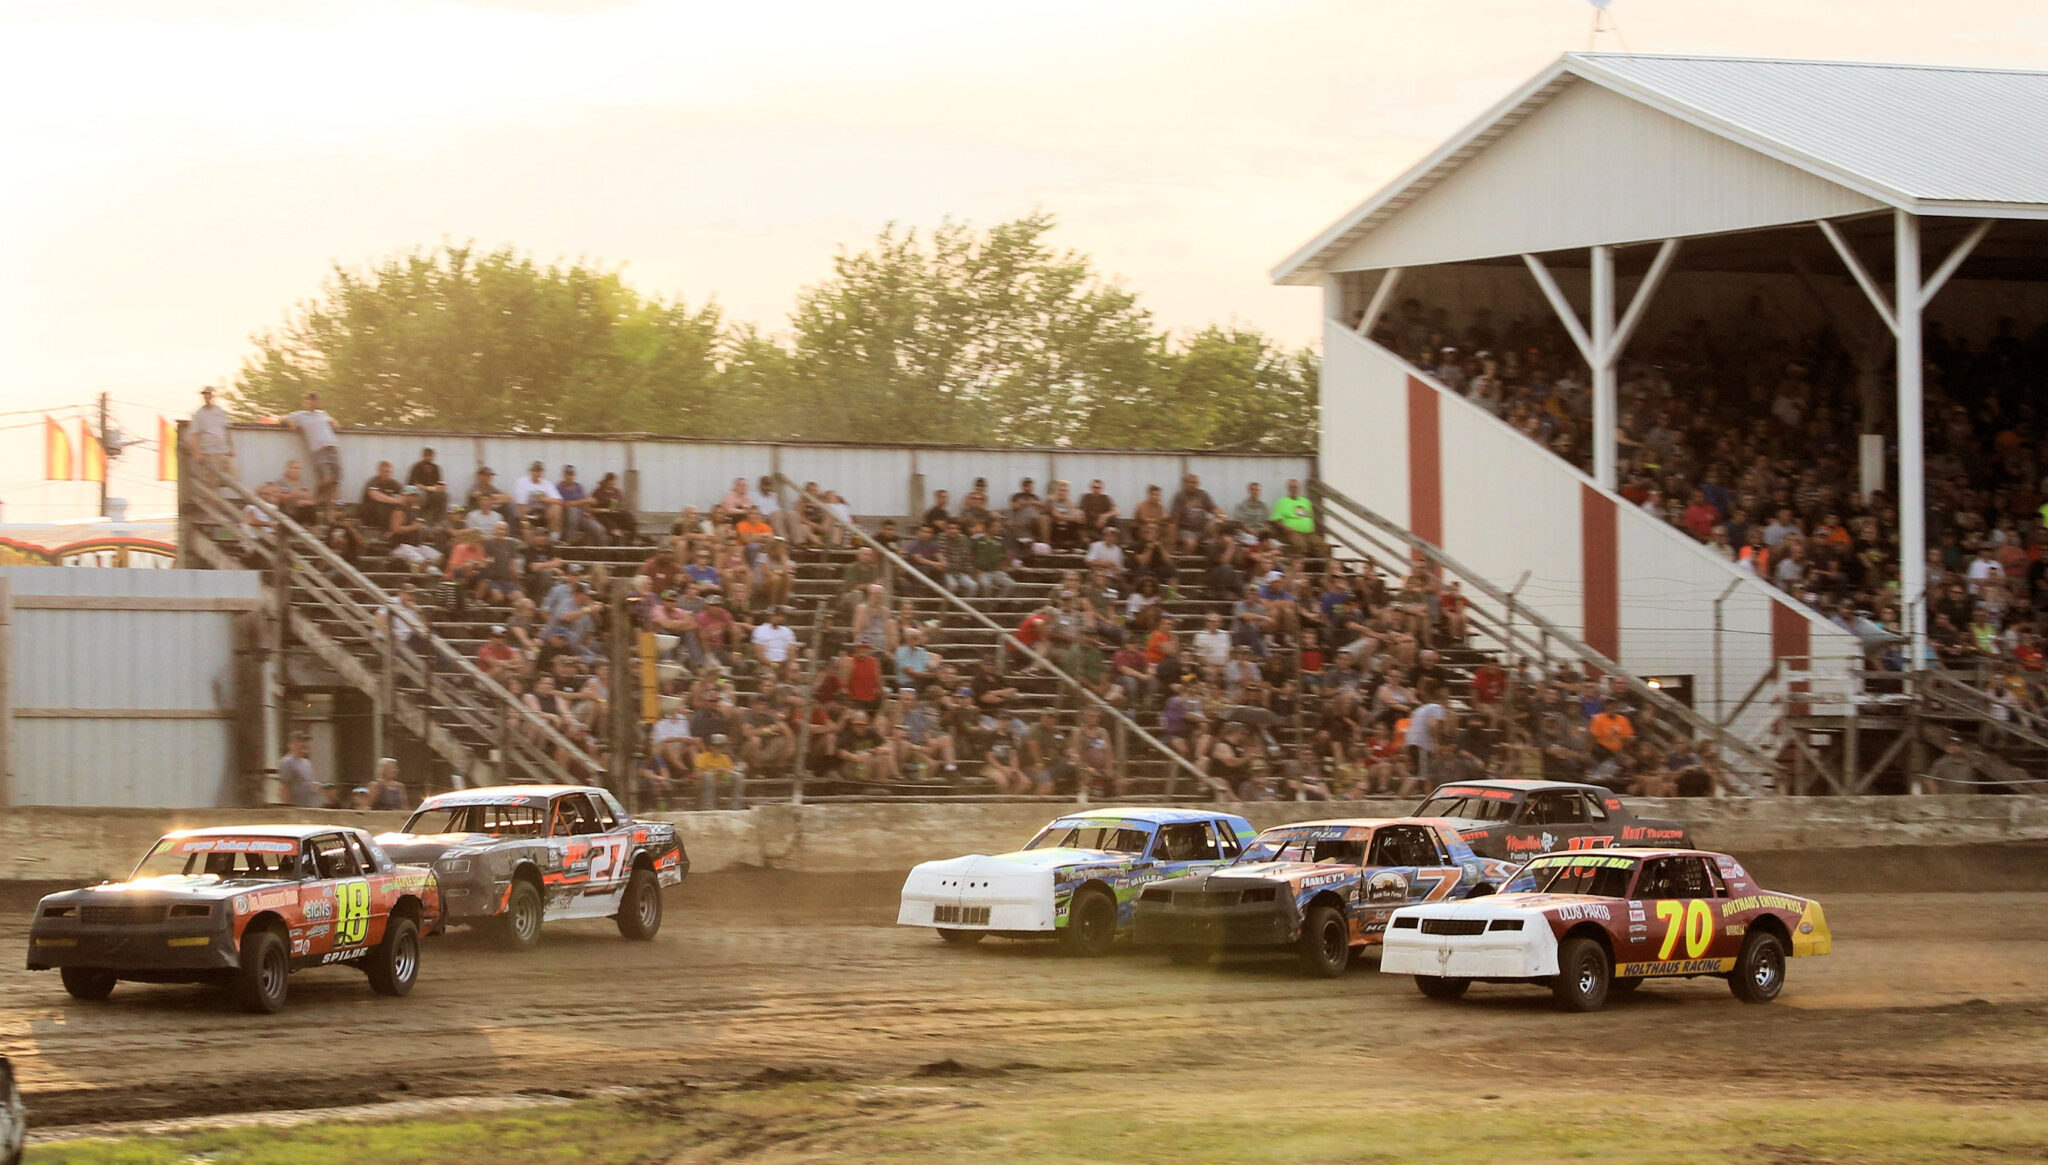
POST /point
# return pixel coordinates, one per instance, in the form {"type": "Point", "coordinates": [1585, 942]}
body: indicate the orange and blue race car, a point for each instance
{"type": "Point", "coordinates": [513, 856]}
{"type": "Point", "coordinates": [244, 907]}
{"type": "Point", "coordinates": [1598, 923]}
{"type": "Point", "coordinates": [1321, 888]}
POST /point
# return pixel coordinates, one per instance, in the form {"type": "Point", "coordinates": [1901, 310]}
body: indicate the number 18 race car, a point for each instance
{"type": "Point", "coordinates": [511, 856]}
{"type": "Point", "coordinates": [1598, 923]}
{"type": "Point", "coordinates": [245, 907]}
{"type": "Point", "coordinates": [1323, 888]}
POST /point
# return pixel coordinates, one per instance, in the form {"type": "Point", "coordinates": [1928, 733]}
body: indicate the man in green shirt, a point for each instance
{"type": "Point", "coordinates": [990, 557]}
{"type": "Point", "coordinates": [1296, 517]}
{"type": "Point", "coordinates": [859, 574]}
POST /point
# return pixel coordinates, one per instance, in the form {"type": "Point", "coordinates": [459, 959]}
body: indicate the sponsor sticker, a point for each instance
{"type": "Point", "coordinates": [1581, 910]}
{"type": "Point", "coordinates": [1675, 967]}
{"type": "Point", "coordinates": [272, 899]}
{"type": "Point", "coordinates": [1322, 880]}
{"type": "Point", "coordinates": [316, 931]}
{"type": "Point", "coordinates": [300, 946]}
{"type": "Point", "coordinates": [236, 845]}
{"type": "Point", "coordinates": [1735, 929]}
{"type": "Point", "coordinates": [1585, 858]}
{"type": "Point", "coordinates": [241, 904]}
{"type": "Point", "coordinates": [359, 952]}
{"type": "Point", "coordinates": [1387, 886]}
{"type": "Point", "coordinates": [317, 909]}
{"type": "Point", "coordinates": [1650, 833]}
{"type": "Point", "coordinates": [1764, 902]}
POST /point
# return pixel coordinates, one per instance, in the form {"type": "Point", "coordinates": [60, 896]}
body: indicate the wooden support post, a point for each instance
{"type": "Point", "coordinates": [623, 758]}
{"type": "Point", "coordinates": [6, 691]}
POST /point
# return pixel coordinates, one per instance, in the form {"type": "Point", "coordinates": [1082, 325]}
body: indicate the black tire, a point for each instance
{"type": "Point", "coordinates": [1759, 972]}
{"type": "Point", "coordinates": [89, 983]}
{"type": "Point", "coordinates": [1583, 975]}
{"type": "Point", "coordinates": [260, 982]}
{"type": "Point", "coordinates": [395, 964]}
{"type": "Point", "coordinates": [639, 914]}
{"type": "Point", "coordinates": [1189, 956]}
{"type": "Point", "coordinates": [961, 938]}
{"type": "Point", "coordinates": [1623, 987]}
{"type": "Point", "coordinates": [1324, 947]}
{"type": "Point", "coordinates": [1442, 987]}
{"type": "Point", "coordinates": [1091, 925]}
{"type": "Point", "coordinates": [519, 927]}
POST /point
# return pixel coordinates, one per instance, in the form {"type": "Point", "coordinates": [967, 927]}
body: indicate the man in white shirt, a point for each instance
{"type": "Point", "coordinates": [1425, 731]}
{"type": "Point", "coordinates": [207, 441]}
{"type": "Point", "coordinates": [1212, 642]}
{"type": "Point", "coordinates": [1108, 550]}
{"type": "Point", "coordinates": [772, 641]}
{"type": "Point", "coordinates": [1984, 566]}
{"type": "Point", "coordinates": [535, 491]}
{"type": "Point", "coordinates": [317, 428]}
{"type": "Point", "coordinates": [671, 739]}
{"type": "Point", "coordinates": [780, 518]}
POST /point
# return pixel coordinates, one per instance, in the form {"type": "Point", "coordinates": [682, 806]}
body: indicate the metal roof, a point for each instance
{"type": "Point", "coordinates": [1926, 139]}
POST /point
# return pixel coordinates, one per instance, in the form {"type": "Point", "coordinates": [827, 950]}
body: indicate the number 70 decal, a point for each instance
{"type": "Point", "coordinates": [1695, 918]}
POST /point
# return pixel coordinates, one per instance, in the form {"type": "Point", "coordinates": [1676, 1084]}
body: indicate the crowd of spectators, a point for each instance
{"type": "Point", "coordinates": [1227, 629]}
{"type": "Point", "coordinates": [1746, 437]}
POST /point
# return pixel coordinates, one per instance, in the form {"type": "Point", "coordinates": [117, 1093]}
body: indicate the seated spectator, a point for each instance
{"type": "Point", "coordinates": [1029, 522]}
{"type": "Point", "coordinates": [774, 642]}
{"type": "Point", "coordinates": [380, 497]}
{"type": "Point", "coordinates": [1294, 517]}
{"type": "Point", "coordinates": [1098, 511]}
{"type": "Point", "coordinates": [408, 534]}
{"type": "Point", "coordinates": [939, 514]}
{"type": "Point", "coordinates": [1251, 513]}
{"type": "Point", "coordinates": [958, 555]}
{"type": "Point", "coordinates": [782, 520]}
{"type": "Point", "coordinates": [916, 666]}
{"type": "Point", "coordinates": [535, 497]}
{"type": "Point", "coordinates": [1107, 551]}
{"type": "Point", "coordinates": [1193, 515]}
{"type": "Point", "coordinates": [715, 766]}
{"type": "Point", "coordinates": [1044, 755]}
{"type": "Point", "coordinates": [752, 527]}
{"type": "Point", "coordinates": [926, 556]}
{"type": "Point", "coordinates": [608, 509]}
{"type": "Point", "coordinates": [1067, 525]}
{"type": "Point", "coordinates": [767, 744]}
{"type": "Point", "coordinates": [294, 494]}
{"type": "Point", "coordinates": [735, 504]}
{"type": "Point", "coordinates": [497, 657]}
{"type": "Point", "coordinates": [992, 560]}
{"type": "Point", "coordinates": [578, 524]}
{"type": "Point", "coordinates": [426, 474]}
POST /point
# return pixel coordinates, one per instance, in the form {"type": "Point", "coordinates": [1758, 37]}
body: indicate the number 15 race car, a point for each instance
{"type": "Point", "coordinates": [1599, 922]}
{"type": "Point", "coordinates": [244, 907]}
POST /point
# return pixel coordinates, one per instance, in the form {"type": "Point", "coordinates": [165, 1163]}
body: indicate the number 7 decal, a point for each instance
{"type": "Point", "coordinates": [1694, 918]}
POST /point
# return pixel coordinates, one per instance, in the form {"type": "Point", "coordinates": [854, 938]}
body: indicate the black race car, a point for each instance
{"type": "Point", "coordinates": [1520, 819]}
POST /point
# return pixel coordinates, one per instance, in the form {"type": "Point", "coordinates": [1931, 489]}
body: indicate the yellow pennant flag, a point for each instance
{"type": "Point", "coordinates": [57, 464]}
{"type": "Point", "coordinates": [166, 450]}
{"type": "Point", "coordinates": [94, 459]}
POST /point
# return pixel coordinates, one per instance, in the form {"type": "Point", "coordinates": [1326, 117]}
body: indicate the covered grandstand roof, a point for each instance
{"type": "Point", "coordinates": [1931, 140]}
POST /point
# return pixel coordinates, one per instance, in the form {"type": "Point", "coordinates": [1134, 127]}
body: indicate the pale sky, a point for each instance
{"type": "Point", "coordinates": [177, 174]}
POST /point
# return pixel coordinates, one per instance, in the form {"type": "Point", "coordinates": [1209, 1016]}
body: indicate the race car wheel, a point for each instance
{"type": "Point", "coordinates": [640, 907]}
{"type": "Point", "coordinates": [1442, 987]}
{"type": "Point", "coordinates": [395, 964]}
{"type": "Point", "coordinates": [1582, 975]}
{"type": "Point", "coordinates": [1325, 943]}
{"type": "Point", "coordinates": [1189, 956]}
{"type": "Point", "coordinates": [519, 926]}
{"type": "Point", "coordinates": [1091, 925]}
{"type": "Point", "coordinates": [961, 938]}
{"type": "Point", "coordinates": [260, 981]}
{"type": "Point", "coordinates": [1759, 972]}
{"type": "Point", "coordinates": [87, 982]}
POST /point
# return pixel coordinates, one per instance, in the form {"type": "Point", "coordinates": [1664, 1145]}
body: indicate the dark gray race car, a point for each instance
{"type": "Point", "coordinates": [514, 856]}
{"type": "Point", "coordinates": [1520, 819]}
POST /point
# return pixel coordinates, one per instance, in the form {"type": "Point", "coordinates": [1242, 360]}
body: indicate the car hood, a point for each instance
{"type": "Point", "coordinates": [1037, 859]}
{"type": "Point", "coordinates": [168, 888]}
{"type": "Point", "coordinates": [1505, 905]}
{"type": "Point", "coordinates": [425, 847]}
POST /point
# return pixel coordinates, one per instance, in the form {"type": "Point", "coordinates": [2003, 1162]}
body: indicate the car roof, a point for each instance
{"type": "Point", "coordinates": [1153, 815]}
{"type": "Point", "coordinates": [1521, 786]}
{"type": "Point", "coordinates": [493, 794]}
{"type": "Point", "coordinates": [298, 832]}
{"type": "Point", "coordinates": [1634, 851]}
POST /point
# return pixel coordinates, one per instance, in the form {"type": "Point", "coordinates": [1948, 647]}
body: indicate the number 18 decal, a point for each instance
{"type": "Point", "coordinates": [1695, 918]}
{"type": "Point", "coordinates": [351, 912]}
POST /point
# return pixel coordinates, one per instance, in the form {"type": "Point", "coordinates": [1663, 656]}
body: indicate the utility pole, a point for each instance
{"type": "Point", "coordinates": [106, 456]}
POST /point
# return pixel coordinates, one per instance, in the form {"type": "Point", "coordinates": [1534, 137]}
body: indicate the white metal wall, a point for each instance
{"type": "Point", "coordinates": [1510, 507]}
{"type": "Point", "coordinates": [1593, 167]}
{"type": "Point", "coordinates": [161, 681]}
{"type": "Point", "coordinates": [874, 479]}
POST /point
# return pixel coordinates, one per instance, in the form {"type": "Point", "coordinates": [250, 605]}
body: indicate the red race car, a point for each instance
{"type": "Point", "coordinates": [1596, 923]}
{"type": "Point", "coordinates": [244, 907]}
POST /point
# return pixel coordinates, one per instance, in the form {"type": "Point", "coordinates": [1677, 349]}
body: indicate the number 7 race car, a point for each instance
{"type": "Point", "coordinates": [1323, 888]}
{"type": "Point", "coordinates": [1599, 922]}
{"type": "Point", "coordinates": [245, 907]}
{"type": "Point", "coordinates": [510, 857]}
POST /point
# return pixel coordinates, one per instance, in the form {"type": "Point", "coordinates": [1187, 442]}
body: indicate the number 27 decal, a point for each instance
{"type": "Point", "coordinates": [1694, 918]}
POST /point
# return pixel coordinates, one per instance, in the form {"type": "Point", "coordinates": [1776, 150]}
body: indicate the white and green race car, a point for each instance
{"type": "Point", "coordinates": [1075, 881]}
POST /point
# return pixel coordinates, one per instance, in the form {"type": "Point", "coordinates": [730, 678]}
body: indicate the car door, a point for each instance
{"type": "Point", "coordinates": [1599, 829]}
{"type": "Point", "coordinates": [1178, 848]}
{"type": "Point", "coordinates": [1554, 818]}
{"type": "Point", "coordinates": [611, 846]}
{"type": "Point", "coordinates": [335, 900]}
{"type": "Point", "coordinates": [1675, 914]}
{"type": "Point", "coordinates": [383, 886]}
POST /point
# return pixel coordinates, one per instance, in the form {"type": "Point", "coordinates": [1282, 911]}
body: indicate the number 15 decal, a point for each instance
{"type": "Point", "coordinates": [351, 912]}
{"type": "Point", "coordinates": [1695, 918]}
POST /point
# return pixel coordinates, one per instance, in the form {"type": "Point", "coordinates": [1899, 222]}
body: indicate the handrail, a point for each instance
{"type": "Point", "coordinates": [1005, 639]}
{"type": "Point", "coordinates": [1978, 704]}
{"type": "Point", "coordinates": [356, 578]}
{"type": "Point", "coordinates": [1663, 703]}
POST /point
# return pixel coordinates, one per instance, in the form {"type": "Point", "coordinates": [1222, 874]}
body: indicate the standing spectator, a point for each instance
{"type": "Point", "coordinates": [426, 474]}
{"type": "Point", "coordinates": [535, 493]}
{"type": "Point", "coordinates": [301, 785]}
{"type": "Point", "coordinates": [208, 443]}
{"type": "Point", "coordinates": [579, 524]}
{"type": "Point", "coordinates": [317, 428]}
{"type": "Point", "coordinates": [387, 795]}
{"type": "Point", "coordinates": [1428, 730]}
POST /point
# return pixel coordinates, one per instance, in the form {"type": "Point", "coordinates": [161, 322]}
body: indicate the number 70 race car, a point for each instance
{"type": "Point", "coordinates": [245, 907]}
{"type": "Point", "coordinates": [1599, 922]}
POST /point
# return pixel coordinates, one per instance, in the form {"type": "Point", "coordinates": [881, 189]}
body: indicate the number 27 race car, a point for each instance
{"type": "Point", "coordinates": [1599, 922]}
{"type": "Point", "coordinates": [243, 907]}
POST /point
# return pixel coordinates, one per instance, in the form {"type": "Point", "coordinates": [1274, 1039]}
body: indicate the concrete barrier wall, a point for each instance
{"type": "Point", "coordinates": [83, 845]}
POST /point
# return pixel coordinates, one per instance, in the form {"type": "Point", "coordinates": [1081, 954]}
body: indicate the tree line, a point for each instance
{"type": "Point", "coordinates": [955, 336]}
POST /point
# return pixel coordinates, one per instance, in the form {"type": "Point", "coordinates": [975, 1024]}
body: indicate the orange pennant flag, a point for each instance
{"type": "Point", "coordinates": [93, 460]}
{"type": "Point", "coordinates": [166, 450]}
{"type": "Point", "coordinates": [57, 465]}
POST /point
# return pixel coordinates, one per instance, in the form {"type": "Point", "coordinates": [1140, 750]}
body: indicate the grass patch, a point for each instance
{"type": "Point", "coordinates": [1206, 1119]}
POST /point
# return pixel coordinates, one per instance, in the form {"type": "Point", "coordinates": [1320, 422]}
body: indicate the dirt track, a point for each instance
{"type": "Point", "coordinates": [1938, 989]}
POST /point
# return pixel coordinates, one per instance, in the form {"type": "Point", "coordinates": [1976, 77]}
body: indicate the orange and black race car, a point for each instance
{"type": "Point", "coordinates": [244, 907]}
{"type": "Point", "coordinates": [1594, 924]}
{"type": "Point", "coordinates": [1516, 820]}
